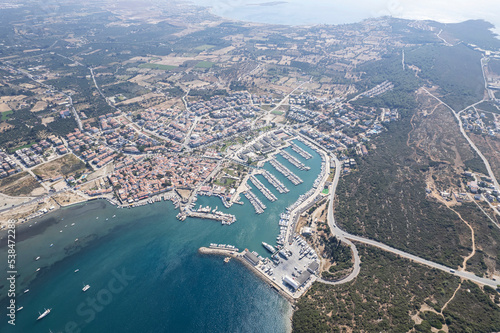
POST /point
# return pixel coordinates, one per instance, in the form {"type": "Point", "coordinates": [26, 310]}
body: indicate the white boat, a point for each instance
{"type": "Point", "coordinates": [45, 313]}
{"type": "Point", "coordinates": [20, 308]}
{"type": "Point", "coordinates": [76, 270]}
{"type": "Point", "coordinates": [37, 258]}
{"type": "Point", "coordinates": [26, 291]}
{"type": "Point", "coordinates": [52, 244]}
{"type": "Point", "coordinates": [37, 269]}
{"type": "Point", "coordinates": [86, 287]}
{"type": "Point", "coordinates": [269, 247]}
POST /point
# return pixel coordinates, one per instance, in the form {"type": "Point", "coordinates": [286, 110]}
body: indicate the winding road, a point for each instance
{"type": "Point", "coordinates": [347, 238]}
{"type": "Point", "coordinates": [462, 130]}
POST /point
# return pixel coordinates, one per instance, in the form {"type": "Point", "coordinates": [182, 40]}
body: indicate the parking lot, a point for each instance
{"type": "Point", "coordinates": [289, 267]}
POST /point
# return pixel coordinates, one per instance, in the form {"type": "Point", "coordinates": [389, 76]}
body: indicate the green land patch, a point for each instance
{"type": "Point", "coordinates": [383, 300]}
{"type": "Point", "coordinates": [157, 66]}
{"type": "Point", "coordinates": [204, 47]}
{"type": "Point", "coordinates": [276, 112]}
{"type": "Point", "coordinates": [204, 64]}
{"type": "Point", "coordinates": [6, 114]}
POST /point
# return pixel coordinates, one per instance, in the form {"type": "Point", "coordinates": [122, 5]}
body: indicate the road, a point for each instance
{"type": "Point", "coordinates": [46, 86]}
{"type": "Point", "coordinates": [438, 35]}
{"type": "Point", "coordinates": [462, 130]}
{"type": "Point", "coordinates": [337, 232]}
{"type": "Point", "coordinates": [344, 236]}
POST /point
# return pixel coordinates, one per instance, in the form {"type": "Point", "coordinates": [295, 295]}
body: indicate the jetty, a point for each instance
{"type": "Point", "coordinates": [207, 213]}
{"type": "Point", "coordinates": [300, 151]}
{"type": "Point", "coordinates": [267, 193]}
{"type": "Point", "coordinates": [275, 182]}
{"type": "Point", "coordinates": [296, 180]}
{"type": "Point", "coordinates": [295, 162]}
{"type": "Point", "coordinates": [256, 203]}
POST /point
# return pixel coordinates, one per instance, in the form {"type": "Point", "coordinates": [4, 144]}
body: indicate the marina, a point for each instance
{"type": "Point", "coordinates": [290, 271]}
{"type": "Point", "coordinates": [264, 190]}
{"type": "Point", "coordinates": [158, 217]}
{"type": "Point", "coordinates": [300, 151]}
{"type": "Point", "coordinates": [275, 182]}
{"type": "Point", "coordinates": [296, 180]}
{"type": "Point", "coordinates": [207, 213]}
{"type": "Point", "coordinates": [295, 162]}
{"type": "Point", "coordinates": [256, 203]}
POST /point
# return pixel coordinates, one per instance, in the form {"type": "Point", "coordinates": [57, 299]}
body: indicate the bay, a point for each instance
{"type": "Point", "coordinates": [144, 269]}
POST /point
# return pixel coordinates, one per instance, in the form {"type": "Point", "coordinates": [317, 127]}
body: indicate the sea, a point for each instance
{"type": "Point", "coordinates": [144, 269]}
{"type": "Point", "coordinates": [314, 12]}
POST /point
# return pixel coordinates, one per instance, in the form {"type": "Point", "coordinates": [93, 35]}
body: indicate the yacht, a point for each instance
{"type": "Point", "coordinates": [45, 313]}
{"type": "Point", "coordinates": [269, 247]}
{"type": "Point", "coordinates": [86, 287]}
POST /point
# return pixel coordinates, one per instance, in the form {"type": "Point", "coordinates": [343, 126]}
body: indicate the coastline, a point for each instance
{"type": "Point", "coordinates": [239, 257]}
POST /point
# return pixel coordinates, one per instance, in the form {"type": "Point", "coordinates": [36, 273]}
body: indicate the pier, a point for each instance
{"type": "Point", "coordinates": [207, 213]}
{"type": "Point", "coordinates": [301, 151]}
{"type": "Point", "coordinates": [267, 193]}
{"type": "Point", "coordinates": [275, 182]}
{"type": "Point", "coordinates": [295, 162]}
{"type": "Point", "coordinates": [286, 172]}
{"type": "Point", "coordinates": [256, 203]}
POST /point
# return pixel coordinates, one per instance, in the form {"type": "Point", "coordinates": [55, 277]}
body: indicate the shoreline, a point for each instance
{"type": "Point", "coordinates": [239, 257]}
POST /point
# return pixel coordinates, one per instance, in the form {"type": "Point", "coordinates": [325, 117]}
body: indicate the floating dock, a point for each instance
{"type": "Point", "coordinates": [279, 186]}
{"type": "Point", "coordinates": [256, 203]}
{"type": "Point", "coordinates": [286, 172]}
{"type": "Point", "coordinates": [268, 194]}
{"type": "Point", "coordinates": [295, 162]}
{"type": "Point", "coordinates": [301, 151]}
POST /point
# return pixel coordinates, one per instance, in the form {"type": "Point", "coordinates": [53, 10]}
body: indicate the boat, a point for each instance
{"type": "Point", "coordinates": [45, 313]}
{"type": "Point", "coordinates": [226, 259]}
{"type": "Point", "coordinates": [72, 224]}
{"type": "Point", "coordinates": [26, 291]}
{"type": "Point", "coordinates": [37, 269]}
{"type": "Point", "coordinates": [20, 308]}
{"type": "Point", "coordinates": [86, 287]}
{"type": "Point", "coordinates": [52, 244]}
{"type": "Point", "coordinates": [76, 270]}
{"type": "Point", "coordinates": [269, 247]}
{"type": "Point", "coordinates": [37, 258]}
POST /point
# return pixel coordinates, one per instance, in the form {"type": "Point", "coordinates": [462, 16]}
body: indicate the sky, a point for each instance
{"type": "Point", "coordinates": [299, 12]}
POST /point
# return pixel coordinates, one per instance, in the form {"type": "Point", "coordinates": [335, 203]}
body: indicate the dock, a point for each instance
{"type": "Point", "coordinates": [256, 203]}
{"type": "Point", "coordinates": [296, 180]}
{"type": "Point", "coordinates": [264, 190]}
{"type": "Point", "coordinates": [301, 151]}
{"type": "Point", "coordinates": [208, 213]}
{"type": "Point", "coordinates": [295, 162]}
{"type": "Point", "coordinates": [279, 186]}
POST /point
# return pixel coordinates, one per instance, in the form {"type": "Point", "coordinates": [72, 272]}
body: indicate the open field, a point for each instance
{"type": "Point", "coordinates": [63, 166]}
{"type": "Point", "coordinates": [20, 184]}
{"type": "Point", "coordinates": [157, 66]}
{"type": "Point", "coordinates": [396, 300]}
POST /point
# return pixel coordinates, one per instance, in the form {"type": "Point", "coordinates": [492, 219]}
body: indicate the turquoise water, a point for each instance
{"type": "Point", "coordinates": [144, 269]}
